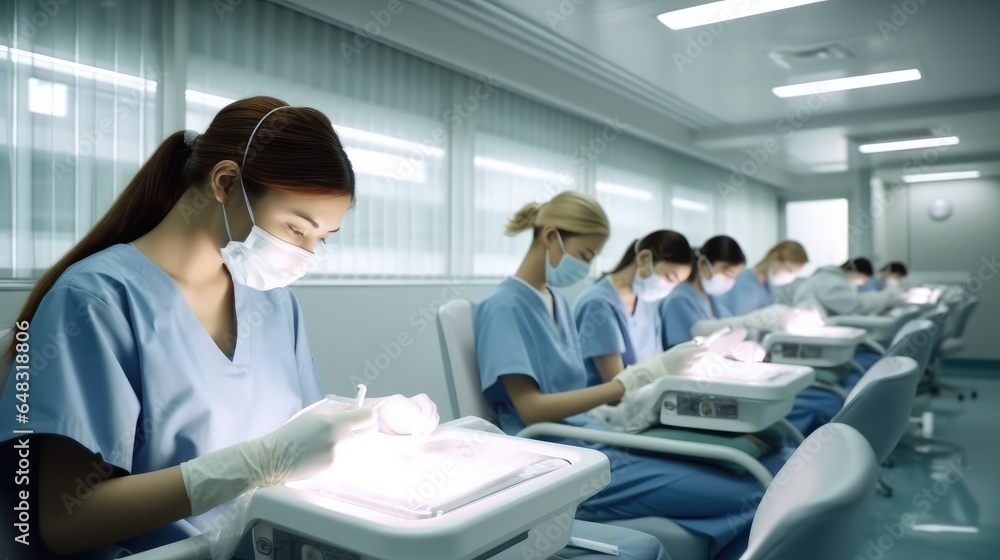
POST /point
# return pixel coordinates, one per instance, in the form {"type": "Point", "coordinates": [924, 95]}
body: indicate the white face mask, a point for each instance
{"type": "Point", "coordinates": [651, 288]}
{"type": "Point", "coordinates": [893, 282]}
{"type": "Point", "coordinates": [781, 278]}
{"type": "Point", "coordinates": [263, 261]}
{"type": "Point", "coordinates": [718, 284]}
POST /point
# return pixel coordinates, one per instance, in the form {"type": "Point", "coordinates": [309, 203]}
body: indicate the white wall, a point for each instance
{"type": "Point", "coordinates": [963, 244]}
{"type": "Point", "coordinates": [352, 328]}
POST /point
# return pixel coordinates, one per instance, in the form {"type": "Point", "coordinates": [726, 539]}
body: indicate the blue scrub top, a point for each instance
{"type": "Point", "coordinates": [684, 307]}
{"type": "Point", "coordinates": [516, 335]}
{"type": "Point", "coordinates": [872, 285]}
{"type": "Point", "coordinates": [748, 294]}
{"type": "Point", "coordinates": [606, 327]}
{"type": "Point", "coordinates": [120, 364]}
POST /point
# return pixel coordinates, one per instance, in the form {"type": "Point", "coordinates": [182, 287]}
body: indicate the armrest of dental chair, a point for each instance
{"type": "Point", "coordinates": [653, 444]}
{"type": "Point", "coordinates": [194, 548]}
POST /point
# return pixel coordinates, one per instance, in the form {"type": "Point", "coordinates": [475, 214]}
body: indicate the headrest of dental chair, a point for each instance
{"type": "Point", "coordinates": [817, 504]}
{"type": "Point", "coordinates": [879, 405]}
{"type": "Point", "coordinates": [458, 352]}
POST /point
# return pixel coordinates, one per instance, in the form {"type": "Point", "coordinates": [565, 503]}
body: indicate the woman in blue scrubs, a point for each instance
{"type": "Point", "coordinates": [617, 318]}
{"type": "Point", "coordinates": [168, 359]}
{"type": "Point", "coordinates": [695, 306]}
{"type": "Point", "coordinates": [166, 355]}
{"type": "Point", "coordinates": [754, 286]}
{"type": "Point", "coordinates": [532, 370]}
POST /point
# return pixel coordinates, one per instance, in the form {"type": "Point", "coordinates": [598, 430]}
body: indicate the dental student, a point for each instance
{"type": "Point", "coordinates": [694, 309]}
{"type": "Point", "coordinates": [754, 288]}
{"type": "Point", "coordinates": [617, 317]}
{"type": "Point", "coordinates": [532, 370]}
{"type": "Point", "coordinates": [183, 355]}
{"type": "Point", "coordinates": [836, 291]}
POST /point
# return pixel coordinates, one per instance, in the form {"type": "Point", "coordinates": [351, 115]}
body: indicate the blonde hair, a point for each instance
{"type": "Point", "coordinates": [788, 251]}
{"type": "Point", "coordinates": [570, 211]}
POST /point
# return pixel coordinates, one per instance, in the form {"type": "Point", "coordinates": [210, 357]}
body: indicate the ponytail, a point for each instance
{"type": "Point", "coordinates": [571, 212]}
{"type": "Point", "coordinates": [523, 219]}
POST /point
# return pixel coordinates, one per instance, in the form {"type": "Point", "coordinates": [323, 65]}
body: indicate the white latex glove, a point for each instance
{"type": "Point", "coordinates": [770, 318]}
{"type": "Point", "coordinates": [675, 361]}
{"type": "Point", "coordinates": [399, 415]}
{"type": "Point", "coordinates": [302, 447]}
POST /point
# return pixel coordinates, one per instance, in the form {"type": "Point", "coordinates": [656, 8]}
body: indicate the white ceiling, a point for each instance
{"type": "Point", "coordinates": [713, 101]}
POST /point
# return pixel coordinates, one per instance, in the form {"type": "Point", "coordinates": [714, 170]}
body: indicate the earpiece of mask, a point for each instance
{"type": "Point", "coordinates": [262, 261]}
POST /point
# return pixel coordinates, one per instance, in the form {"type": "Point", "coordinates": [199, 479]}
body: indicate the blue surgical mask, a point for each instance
{"type": "Point", "coordinates": [569, 271]}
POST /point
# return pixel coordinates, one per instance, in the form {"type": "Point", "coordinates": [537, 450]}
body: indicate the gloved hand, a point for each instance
{"type": "Point", "coordinates": [770, 318]}
{"type": "Point", "coordinates": [302, 447]}
{"type": "Point", "coordinates": [675, 361]}
{"type": "Point", "coordinates": [399, 415]}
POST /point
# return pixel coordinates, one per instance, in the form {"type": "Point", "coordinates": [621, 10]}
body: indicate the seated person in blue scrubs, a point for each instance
{"type": "Point", "coordinates": [532, 370]}
{"type": "Point", "coordinates": [837, 291]}
{"type": "Point", "coordinates": [694, 308]}
{"type": "Point", "coordinates": [616, 316]}
{"type": "Point", "coordinates": [862, 273]}
{"type": "Point", "coordinates": [891, 275]}
{"type": "Point", "coordinates": [179, 355]}
{"type": "Point", "coordinates": [754, 287]}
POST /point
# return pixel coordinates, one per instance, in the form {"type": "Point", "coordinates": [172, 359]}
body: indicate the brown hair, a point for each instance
{"type": "Point", "coordinates": [294, 151]}
{"type": "Point", "coordinates": [788, 251]}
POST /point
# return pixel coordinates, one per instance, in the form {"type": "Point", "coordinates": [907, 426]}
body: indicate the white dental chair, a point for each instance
{"type": "Point", "coordinates": [952, 343]}
{"type": "Point", "coordinates": [458, 349]}
{"type": "Point", "coordinates": [879, 405]}
{"type": "Point", "coordinates": [817, 504]}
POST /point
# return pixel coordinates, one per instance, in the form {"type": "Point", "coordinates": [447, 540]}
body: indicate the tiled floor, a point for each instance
{"type": "Point", "coordinates": [946, 491]}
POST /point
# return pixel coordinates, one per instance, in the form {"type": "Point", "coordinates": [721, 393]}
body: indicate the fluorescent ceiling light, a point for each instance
{"type": "Point", "coordinates": [622, 190]}
{"type": "Point", "coordinates": [44, 62]}
{"type": "Point", "coordinates": [933, 528]}
{"type": "Point", "coordinates": [898, 145]}
{"type": "Point", "coordinates": [516, 169]}
{"type": "Point", "coordinates": [950, 176]}
{"type": "Point", "coordinates": [690, 204]}
{"type": "Point", "coordinates": [47, 98]}
{"type": "Point", "coordinates": [725, 10]}
{"type": "Point", "coordinates": [852, 82]}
